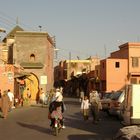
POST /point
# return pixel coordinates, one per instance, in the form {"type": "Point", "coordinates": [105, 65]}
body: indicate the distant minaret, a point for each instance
{"type": "Point", "coordinates": [17, 21]}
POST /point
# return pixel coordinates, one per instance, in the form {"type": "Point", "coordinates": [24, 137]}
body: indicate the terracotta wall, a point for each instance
{"type": "Point", "coordinates": [116, 78]}
{"type": "Point", "coordinates": [6, 77]}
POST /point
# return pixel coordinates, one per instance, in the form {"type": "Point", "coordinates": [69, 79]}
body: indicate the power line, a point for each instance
{"type": "Point", "coordinates": [10, 21]}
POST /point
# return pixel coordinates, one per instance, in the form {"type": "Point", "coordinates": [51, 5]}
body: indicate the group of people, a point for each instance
{"type": "Point", "coordinates": [6, 102]}
{"type": "Point", "coordinates": [92, 104]}
{"type": "Point", "coordinates": [56, 105]}
{"type": "Point", "coordinates": [42, 97]}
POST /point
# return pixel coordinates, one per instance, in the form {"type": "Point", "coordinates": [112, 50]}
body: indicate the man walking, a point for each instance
{"type": "Point", "coordinates": [11, 97]}
{"type": "Point", "coordinates": [95, 106]}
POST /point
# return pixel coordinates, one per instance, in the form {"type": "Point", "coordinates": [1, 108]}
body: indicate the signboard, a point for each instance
{"type": "Point", "coordinates": [43, 80]}
{"type": "Point", "coordinates": [10, 76]}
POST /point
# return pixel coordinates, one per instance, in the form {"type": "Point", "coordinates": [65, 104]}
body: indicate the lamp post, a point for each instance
{"type": "Point", "coordinates": [40, 27]}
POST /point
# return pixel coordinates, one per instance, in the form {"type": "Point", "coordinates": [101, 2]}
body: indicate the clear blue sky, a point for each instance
{"type": "Point", "coordinates": [83, 27]}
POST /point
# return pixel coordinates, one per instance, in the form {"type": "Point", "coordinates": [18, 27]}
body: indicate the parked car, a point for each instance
{"type": "Point", "coordinates": [105, 101]}
{"type": "Point", "coordinates": [115, 104]}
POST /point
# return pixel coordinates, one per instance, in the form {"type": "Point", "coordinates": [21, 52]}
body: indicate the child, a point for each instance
{"type": "Point", "coordinates": [85, 107]}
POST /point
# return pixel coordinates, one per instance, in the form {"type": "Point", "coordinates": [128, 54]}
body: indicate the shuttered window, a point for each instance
{"type": "Point", "coordinates": [135, 61]}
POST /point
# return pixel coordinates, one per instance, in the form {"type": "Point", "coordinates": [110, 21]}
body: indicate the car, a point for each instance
{"type": "Point", "coordinates": [115, 104]}
{"type": "Point", "coordinates": [105, 101]}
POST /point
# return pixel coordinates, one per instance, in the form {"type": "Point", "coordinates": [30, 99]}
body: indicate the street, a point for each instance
{"type": "Point", "coordinates": [31, 123]}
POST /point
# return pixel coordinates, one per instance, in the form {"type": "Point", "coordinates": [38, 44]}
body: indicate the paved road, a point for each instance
{"type": "Point", "coordinates": [31, 123]}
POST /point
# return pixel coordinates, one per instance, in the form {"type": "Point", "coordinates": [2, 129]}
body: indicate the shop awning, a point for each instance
{"type": "Point", "coordinates": [22, 75]}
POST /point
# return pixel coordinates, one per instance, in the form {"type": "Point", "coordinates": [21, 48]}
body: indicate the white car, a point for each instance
{"type": "Point", "coordinates": [105, 101]}
{"type": "Point", "coordinates": [115, 105]}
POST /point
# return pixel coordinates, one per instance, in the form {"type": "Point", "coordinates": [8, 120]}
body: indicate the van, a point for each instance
{"type": "Point", "coordinates": [131, 105]}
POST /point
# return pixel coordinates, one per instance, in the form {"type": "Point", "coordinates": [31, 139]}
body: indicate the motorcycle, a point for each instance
{"type": "Point", "coordinates": [56, 118]}
{"type": "Point", "coordinates": [56, 125]}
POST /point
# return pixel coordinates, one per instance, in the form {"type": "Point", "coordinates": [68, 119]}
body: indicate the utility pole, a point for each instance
{"type": "Point", "coordinates": [105, 50]}
{"type": "Point", "coordinates": [69, 64]}
{"type": "Point", "coordinates": [55, 50]}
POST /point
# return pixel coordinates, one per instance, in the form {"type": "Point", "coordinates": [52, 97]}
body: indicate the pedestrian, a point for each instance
{"type": "Point", "coordinates": [37, 96]}
{"type": "Point", "coordinates": [95, 106]}
{"type": "Point", "coordinates": [0, 94]}
{"type": "Point", "coordinates": [28, 96]}
{"type": "Point", "coordinates": [11, 97]}
{"type": "Point", "coordinates": [58, 97]}
{"type": "Point", "coordinates": [85, 107]}
{"type": "Point", "coordinates": [0, 99]}
{"type": "Point", "coordinates": [42, 97]}
{"type": "Point", "coordinates": [51, 95]}
{"type": "Point", "coordinates": [81, 95]}
{"type": "Point", "coordinates": [5, 104]}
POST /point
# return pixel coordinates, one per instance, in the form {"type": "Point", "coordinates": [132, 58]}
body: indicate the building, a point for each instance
{"type": "Point", "coordinates": [33, 53]}
{"type": "Point", "coordinates": [113, 74]}
{"type": "Point", "coordinates": [76, 75]}
{"type": "Point", "coordinates": [121, 68]}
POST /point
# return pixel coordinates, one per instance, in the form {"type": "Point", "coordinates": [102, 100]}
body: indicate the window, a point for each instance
{"type": "Point", "coordinates": [135, 61]}
{"type": "Point", "coordinates": [117, 64]}
{"type": "Point", "coordinates": [133, 80]}
{"type": "Point", "coordinates": [32, 57]}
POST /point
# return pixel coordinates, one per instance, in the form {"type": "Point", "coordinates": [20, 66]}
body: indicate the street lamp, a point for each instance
{"type": "Point", "coordinates": [40, 27]}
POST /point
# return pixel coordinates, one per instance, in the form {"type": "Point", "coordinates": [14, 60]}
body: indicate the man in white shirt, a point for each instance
{"type": "Point", "coordinates": [58, 96]}
{"type": "Point", "coordinates": [11, 97]}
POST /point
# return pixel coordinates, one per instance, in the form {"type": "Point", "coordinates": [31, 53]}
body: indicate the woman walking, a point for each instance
{"type": "Point", "coordinates": [85, 107]}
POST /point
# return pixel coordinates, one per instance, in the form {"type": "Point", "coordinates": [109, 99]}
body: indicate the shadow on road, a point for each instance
{"type": "Point", "coordinates": [72, 103]}
{"type": "Point", "coordinates": [39, 105]}
{"type": "Point", "coordinates": [86, 137]}
{"type": "Point", "coordinates": [35, 127]}
{"type": "Point", "coordinates": [101, 130]}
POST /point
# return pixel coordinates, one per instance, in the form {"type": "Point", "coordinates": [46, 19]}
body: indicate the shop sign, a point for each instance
{"type": "Point", "coordinates": [43, 80]}
{"type": "Point", "coordinates": [10, 76]}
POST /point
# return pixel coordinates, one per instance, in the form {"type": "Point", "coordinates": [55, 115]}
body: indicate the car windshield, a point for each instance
{"type": "Point", "coordinates": [116, 95]}
{"type": "Point", "coordinates": [107, 95]}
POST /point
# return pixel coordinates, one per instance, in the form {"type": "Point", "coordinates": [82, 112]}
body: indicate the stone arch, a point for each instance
{"type": "Point", "coordinates": [32, 82]}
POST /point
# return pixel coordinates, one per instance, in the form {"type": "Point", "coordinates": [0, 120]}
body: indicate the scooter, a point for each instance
{"type": "Point", "coordinates": [56, 126]}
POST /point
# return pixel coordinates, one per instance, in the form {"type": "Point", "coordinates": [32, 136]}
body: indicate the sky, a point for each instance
{"type": "Point", "coordinates": [82, 28]}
